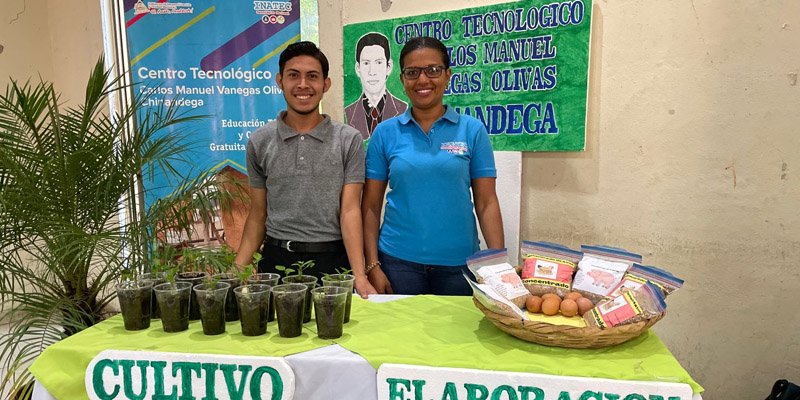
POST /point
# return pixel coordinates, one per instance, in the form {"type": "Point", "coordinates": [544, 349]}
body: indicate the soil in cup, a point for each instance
{"type": "Point", "coordinates": [310, 282]}
{"type": "Point", "coordinates": [329, 310]}
{"type": "Point", "coordinates": [174, 302]}
{"type": "Point", "coordinates": [134, 302]}
{"type": "Point", "coordinates": [231, 308]}
{"type": "Point", "coordinates": [211, 300]}
{"type": "Point", "coordinates": [157, 278]}
{"type": "Point", "coordinates": [253, 301]}
{"type": "Point", "coordinates": [195, 278]}
{"type": "Point", "coordinates": [289, 306]}
{"type": "Point", "coordinates": [272, 280]}
{"type": "Point", "coordinates": [346, 281]}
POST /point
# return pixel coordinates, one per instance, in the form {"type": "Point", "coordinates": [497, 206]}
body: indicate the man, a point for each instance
{"type": "Point", "coordinates": [306, 173]}
{"type": "Point", "coordinates": [373, 66]}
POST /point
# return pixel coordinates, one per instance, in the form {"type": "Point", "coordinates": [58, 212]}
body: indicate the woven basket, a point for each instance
{"type": "Point", "coordinates": [566, 336]}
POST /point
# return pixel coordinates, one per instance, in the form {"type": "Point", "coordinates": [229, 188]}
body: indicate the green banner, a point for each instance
{"type": "Point", "coordinates": [521, 68]}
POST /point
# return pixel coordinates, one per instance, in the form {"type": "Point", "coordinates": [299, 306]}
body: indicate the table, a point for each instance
{"type": "Point", "coordinates": [421, 330]}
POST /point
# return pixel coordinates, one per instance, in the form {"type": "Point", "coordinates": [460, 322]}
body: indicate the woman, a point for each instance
{"type": "Point", "coordinates": [431, 157]}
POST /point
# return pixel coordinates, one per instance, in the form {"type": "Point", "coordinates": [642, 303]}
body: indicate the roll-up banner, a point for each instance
{"type": "Point", "coordinates": [214, 58]}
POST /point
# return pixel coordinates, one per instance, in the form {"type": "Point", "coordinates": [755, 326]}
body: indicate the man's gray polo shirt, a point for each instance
{"type": "Point", "coordinates": [304, 175]}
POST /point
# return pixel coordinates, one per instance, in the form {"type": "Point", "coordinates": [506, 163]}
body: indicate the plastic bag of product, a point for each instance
{"type": "Point", "coordinates": [631, 306]}
{"type": "Point", "coordinates": [494, 301]}
{"type": "Point", "coordinates": [548, 267]}
{"type": "Point", "coordinates": [638, 274]}
{"type": "Point", "coordinates": [601, 269]}
{"type": "Point", "coordinates": [491, 267]}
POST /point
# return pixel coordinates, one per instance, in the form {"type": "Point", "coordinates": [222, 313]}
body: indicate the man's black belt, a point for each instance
{"type": "Point", "coordinates": [306, 247]}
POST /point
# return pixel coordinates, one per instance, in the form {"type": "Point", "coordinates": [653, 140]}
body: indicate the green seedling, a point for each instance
{"type": "Point", "coordinates": [249, 269]}
{"type": "Point", "coordinates": [165, 263]}
{"type": "Point", "coordinates": [299, 265]}
{"type": "Point", "coordinates": [212, 280]}
{"type": "Point", "coordinates": [341, 270]}
{"type": "Point", "coordinates": [128, 274]}
{"type": "Point", "coordinates": [189, 259]}
{"type": "Point", "coordinates": [245, 273]}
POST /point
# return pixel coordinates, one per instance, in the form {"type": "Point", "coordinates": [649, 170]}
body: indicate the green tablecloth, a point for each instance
{"type": "Point", "coordinates": [421, 330]}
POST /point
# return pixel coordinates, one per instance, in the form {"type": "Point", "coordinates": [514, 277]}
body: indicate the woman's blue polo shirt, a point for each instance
{"type": "Point", "coordinates": [429, 216]}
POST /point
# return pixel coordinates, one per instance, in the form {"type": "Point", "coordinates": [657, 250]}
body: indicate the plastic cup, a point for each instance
{"type": "Point", "coordinates": [174, 299]}
{"type": "Point", "coordinates": [289, 304]}
{"type": "Point", "coordinates": [342, 280]}
{"type": "Point", "coordinates": [211, 301]}
{"type": "Point", "coordinates": [134, 301]}
{"type": "Point", "coordinates": [311, 283]}
{"type": "Point", "coordinates": [329, 308]}
{"type": "Point", "coordinates": [253, 302]}
{"type": "Point", "coordinates": [195, 278]}
{"type": "Point", "coordinates": [267, 278]}
{"type": "Point", "coordinates": [157, 278]}
{"type": "Point", "coordinates": [231, 309]}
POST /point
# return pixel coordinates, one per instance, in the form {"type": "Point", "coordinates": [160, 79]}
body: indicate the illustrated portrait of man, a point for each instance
{"type": "Point", "coordinates": [373, 66]}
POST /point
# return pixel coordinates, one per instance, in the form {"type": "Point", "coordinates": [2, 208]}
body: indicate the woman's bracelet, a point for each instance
{"type": "Point", "coordinates": [371, 266]}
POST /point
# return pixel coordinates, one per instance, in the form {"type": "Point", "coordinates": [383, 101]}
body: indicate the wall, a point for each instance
{"type": "Point", "coordinates": [57, 40]}
{"type": "Point", "coordinates": [691, 160]}
{"type": "Point", "coordinates": [77, 42]}
{"type": "Point", "coordinates": [25, 41]}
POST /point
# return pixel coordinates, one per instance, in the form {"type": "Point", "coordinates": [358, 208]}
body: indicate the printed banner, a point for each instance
{"type": "Point", "coordinates": [521, 68]}
{"type": "Point", "coordinates": [213, 58]}
{"type": "Point", "coordinates": [400, 382]}
{"type": "Point", "coordinates": [122, 374]}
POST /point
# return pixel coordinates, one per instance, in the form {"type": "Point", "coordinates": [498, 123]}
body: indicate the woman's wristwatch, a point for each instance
{"type": "Point", "coordinates": [371, 266]}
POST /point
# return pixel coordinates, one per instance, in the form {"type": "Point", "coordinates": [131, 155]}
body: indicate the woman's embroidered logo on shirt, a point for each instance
{"type": "Point", "coordinates": [459, 148]}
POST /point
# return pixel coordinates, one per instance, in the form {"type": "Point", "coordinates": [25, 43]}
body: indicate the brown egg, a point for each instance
{"type": "Point", "coordinates": [569, 308]}
{"type": "Point", "coordinates": [573, 296]}
{"type": "Point", "coordinates": [584, 305]}
{"type": "Point", "coordinates": [534, 304]}
{"type": "Point", "coordinates": [553, 295]}
{"type": "Point", "coordinates": [550, 305]}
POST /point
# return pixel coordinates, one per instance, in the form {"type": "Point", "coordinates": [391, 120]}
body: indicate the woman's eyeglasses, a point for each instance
{"type": "Point", "coordinates": [433, 71]}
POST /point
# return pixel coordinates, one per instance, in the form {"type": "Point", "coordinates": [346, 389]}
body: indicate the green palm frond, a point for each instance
{"type": "Point", "coordinates": [64, 174]}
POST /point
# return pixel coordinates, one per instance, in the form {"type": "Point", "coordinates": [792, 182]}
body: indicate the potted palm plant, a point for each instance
{"type": "Point", "coordinates": [65, 174]}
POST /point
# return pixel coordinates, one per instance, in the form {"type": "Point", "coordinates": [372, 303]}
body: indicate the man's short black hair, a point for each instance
{"type": "Point", "coordinates": [372, 39]}
{"type": "Point", "coordinates": [303, 49]}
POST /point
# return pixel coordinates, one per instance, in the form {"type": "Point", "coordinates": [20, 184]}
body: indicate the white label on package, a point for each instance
{"type": "Point", "coordinates": [598, 276]}
{"type": "Point", "coordinates": [504, 279]}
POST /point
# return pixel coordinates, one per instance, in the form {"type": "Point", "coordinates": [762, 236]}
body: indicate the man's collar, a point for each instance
{"type": "Point", "coordinates": [450, 114]}
{"type": "Point", "coordinates": [365, 102]}
{"type": "Point", "coordinates": [286, 132]}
